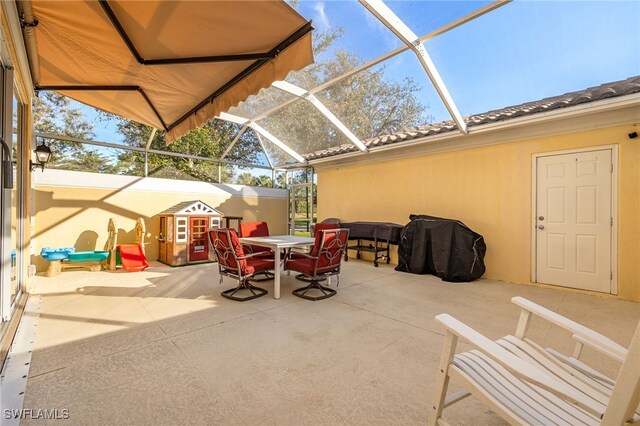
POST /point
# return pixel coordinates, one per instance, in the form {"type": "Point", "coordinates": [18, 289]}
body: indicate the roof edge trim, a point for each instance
{"type": "Point", "coordinates": [600, 106]}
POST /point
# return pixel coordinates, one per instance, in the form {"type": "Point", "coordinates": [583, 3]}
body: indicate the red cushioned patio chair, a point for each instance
{"type": "Point", "coordinates": [234, 263]}
{"type": "Point", "coordinates": [321, 263]}
{"type": "Point", "coordinates": [255, 229]}
{"type": "Point", "coordinates": [317, 228]}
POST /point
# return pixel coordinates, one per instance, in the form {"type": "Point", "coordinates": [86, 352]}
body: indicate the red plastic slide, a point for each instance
{"type": "Point", "coordinates": [132, 257]}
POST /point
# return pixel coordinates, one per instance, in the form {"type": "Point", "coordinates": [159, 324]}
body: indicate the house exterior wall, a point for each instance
{"type": "Point", "coordinates": [72, 209]}
{"type": "Point", "coordinates": [488, 188]}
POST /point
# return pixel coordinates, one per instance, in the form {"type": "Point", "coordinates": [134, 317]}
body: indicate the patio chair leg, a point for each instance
{"type": "Point", "coordinates": [267, 276]}
{"type": "Point", "coordinates": [315, 285]}
{"type": "Point", "coordinates": [246, 285]}
{"type": "Point", "coordinates": [303, 277]}
{"type": "Point", "coordinates": [442, 378]}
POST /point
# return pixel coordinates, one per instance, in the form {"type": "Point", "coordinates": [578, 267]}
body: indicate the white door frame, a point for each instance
{"type": "Point", "coordinates": [614, 207]}
{"type": "Point", "coordinates": [6, 131]}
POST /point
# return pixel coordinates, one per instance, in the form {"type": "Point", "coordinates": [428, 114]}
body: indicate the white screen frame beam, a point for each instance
{"type": "Point", "coordinates": [143, 150]}
{"type": "Point", "coordinates": [259, 129]}
{"type": "Point", "coordinates": [233, 142]}
{"type": "Point", "coordinates": [304, 94]}
{"type": "Point", "coordinates": [433, 34]}
{"type": "Point", "coordinates": [264, 150]}
{"type": "Point", "coordinates": [390, 20]}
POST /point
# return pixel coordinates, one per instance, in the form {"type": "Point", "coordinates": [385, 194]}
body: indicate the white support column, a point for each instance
{"type": "Point", "coordinates": [259, 129]}
{"type": "Point", "coordinates": [304, 94]}
{"type": "Point", "coordinates": [408, 37]}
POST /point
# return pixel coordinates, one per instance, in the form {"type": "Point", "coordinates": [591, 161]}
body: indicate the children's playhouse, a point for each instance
{"type": "Point", "coordinates": [183, 233]}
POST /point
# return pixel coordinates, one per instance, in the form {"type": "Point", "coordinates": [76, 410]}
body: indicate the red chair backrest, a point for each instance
{"type": "Point", "coordinates": [324, 226]}
{"type": "Point", "coordinates": [228, 249]}
{"type": "Point", "coordinates": [254, 229]}
{"type": "Point", "coordinates": [329, 247]}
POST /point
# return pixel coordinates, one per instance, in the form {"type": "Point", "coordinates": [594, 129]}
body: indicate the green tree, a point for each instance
{"type": "Point", "coordinates": [246, 178]}
{"type": "Point", "coordinates": [54, 113]}
{"type": "Point", "coordinates": [369, 103]}
{"type": "Point", "coordinates": [87, 161]}
{"type": "Point", "coordinates": [207, 141]}
{"type": "Point", "coordinates": [263, 180]}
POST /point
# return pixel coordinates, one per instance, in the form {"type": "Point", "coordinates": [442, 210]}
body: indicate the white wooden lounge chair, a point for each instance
{"type": "Point", "coordinates": [527, 384]}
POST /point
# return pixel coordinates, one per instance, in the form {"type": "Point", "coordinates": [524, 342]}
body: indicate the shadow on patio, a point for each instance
{"type": "Point", "coordinates": [163, 347]}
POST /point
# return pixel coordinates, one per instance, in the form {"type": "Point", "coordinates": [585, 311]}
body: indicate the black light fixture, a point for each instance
{"type": "Point", "coordinates": [43, 155]}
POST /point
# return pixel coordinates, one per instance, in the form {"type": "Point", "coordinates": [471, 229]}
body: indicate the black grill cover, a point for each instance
{"type": "Point", "coordinates": [445, 248]}
{"type": "Point", "coordinates": [383, 231]}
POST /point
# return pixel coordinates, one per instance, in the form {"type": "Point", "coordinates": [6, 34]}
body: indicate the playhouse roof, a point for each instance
{"type": "Point", "coordinates": [192, 208]}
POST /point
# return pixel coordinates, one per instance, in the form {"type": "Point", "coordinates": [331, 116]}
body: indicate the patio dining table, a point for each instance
{"type": "Point", "coordinates": [277, 243]}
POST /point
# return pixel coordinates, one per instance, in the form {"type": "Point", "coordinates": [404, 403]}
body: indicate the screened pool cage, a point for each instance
{"type": "Point", "coordinates": [313, 111]}
{"type": "Point", "coordinates": [344, 101]}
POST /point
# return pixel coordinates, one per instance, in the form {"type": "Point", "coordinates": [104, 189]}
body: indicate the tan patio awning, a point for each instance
{"type": "Point", "coordinates": [170, 64]}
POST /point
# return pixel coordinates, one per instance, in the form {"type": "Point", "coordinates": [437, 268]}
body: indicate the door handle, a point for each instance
{"type": "Point", "coordinates": [540, 226]}
{"type": "Point", "coordinates": [540, 217]}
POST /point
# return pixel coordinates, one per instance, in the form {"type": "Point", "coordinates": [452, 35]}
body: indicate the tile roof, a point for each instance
{"type": "Point", "coordinates": [185, 204]}
{"type": "Point", "coordinates": [592, 94]}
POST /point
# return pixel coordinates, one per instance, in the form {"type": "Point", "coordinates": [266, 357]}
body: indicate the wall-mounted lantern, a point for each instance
{"type": "Point", "coordinates": [43, 155]}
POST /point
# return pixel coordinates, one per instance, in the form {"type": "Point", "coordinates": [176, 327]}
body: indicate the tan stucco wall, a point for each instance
{"type": "Point", "coordinates": [489, 189]}
{"type": "Point", "coordinates": [78, 217]}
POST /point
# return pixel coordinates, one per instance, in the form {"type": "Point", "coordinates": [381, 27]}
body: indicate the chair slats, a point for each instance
{"type": "Point", "coordinates": [527, 352]}
{"type": "Point", "coordinates": [555, 409]}
{"type": "Point", "coordinates": [511, 391]}
{"type": "Point", "coordinates": [525, 383]}
{"type": "Point", "coordinates": [583, 368]}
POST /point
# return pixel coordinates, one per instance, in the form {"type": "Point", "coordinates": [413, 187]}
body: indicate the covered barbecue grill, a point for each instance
{"type": "Point", "coordinates": [442, 247]}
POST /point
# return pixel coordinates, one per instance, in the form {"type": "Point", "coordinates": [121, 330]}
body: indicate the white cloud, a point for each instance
{"type": "Point", "coordinates": [321, 16]}
{"type": "Point", "coordinates": [389, 39]}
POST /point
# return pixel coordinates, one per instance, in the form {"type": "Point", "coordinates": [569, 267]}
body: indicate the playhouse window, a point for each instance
{"type": "Point", "coordinates": [181, 230]}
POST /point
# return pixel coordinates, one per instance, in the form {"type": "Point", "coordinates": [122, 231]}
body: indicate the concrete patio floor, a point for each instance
{"type": "Point", "coordinates": [163, 347]}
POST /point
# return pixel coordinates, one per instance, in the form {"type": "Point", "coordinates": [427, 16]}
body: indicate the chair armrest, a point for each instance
{"type": "Point", "coordinates": [603, 349]}
{"type": "Point", "coordinates": [307, 255]}
{"type": "Point", "coordinates": [250, 255]}
{"type": "Point", "coordinates": [580, 333]}
{"type": "Point", "coordinates": [248, 249]}
{"type": "Point", "coordinates": [517, 366]}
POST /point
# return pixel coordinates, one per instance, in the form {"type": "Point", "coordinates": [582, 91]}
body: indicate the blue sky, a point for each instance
{"type": "Point", "coordinates": [524, 51]}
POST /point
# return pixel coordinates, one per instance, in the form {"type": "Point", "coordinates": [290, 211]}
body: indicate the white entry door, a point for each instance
{"type": "Point", "coordinates": [574, 220]}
